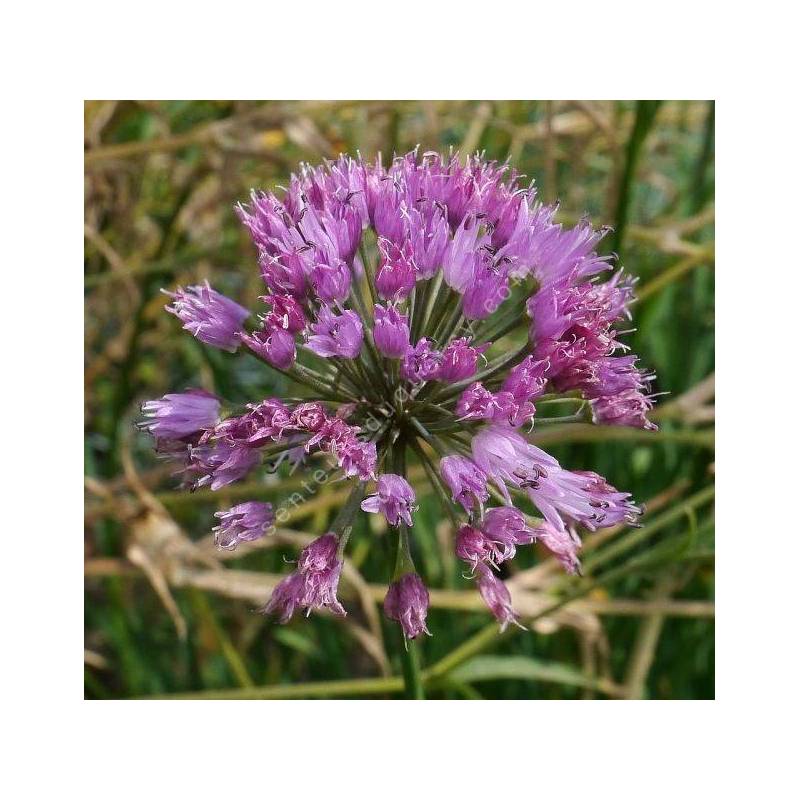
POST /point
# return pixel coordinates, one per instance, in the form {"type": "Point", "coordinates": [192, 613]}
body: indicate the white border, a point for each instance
{"type": "Point", "coordinates": [55, 56]}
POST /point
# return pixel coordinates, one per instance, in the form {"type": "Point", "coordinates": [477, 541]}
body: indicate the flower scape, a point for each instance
{"type": "Point", "coordinates": [406, 287]}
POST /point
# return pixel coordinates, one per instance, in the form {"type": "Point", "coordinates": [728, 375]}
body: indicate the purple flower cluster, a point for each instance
{"type": "Point", "coordinates": [513, 403]}
{"type": "Point", "coordinates": [572, 331]}
{"type": "Point", "coordinates": [239, 441]}
{"type": "Point", "coordinates": [507, 459]}
{"type": "Point", "coordinates": [496, 538]}
{"type": "Point", "coordinates": [385, 288]}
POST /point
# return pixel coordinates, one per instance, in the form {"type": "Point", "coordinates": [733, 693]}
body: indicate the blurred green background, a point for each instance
{"type": "Point", "coordinates": [165, 614]}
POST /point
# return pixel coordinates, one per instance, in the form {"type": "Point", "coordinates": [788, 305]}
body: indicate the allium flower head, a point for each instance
{"type": "Point", "coordinates": [527, 380]}
{"type": "Point", "coordinates": [508, 459]}
{"type": "Point", "coordinates": [505, 528]}
{"type": "Point", "coordinates": [428, 234]}
{"type": "Point", "coordinates": [286, 313]}
{"type": "Point", "coordinates": [219, 463]}
{"type": "Point", "coordinates": [398, 280]}
{"type": "Point", "coordinates": [331, 282]}
{"type": "Point", "coordinates": [462, 255]}
{"type": "Point", "coordinates": [477, 402]}
{"type": "Point", "coordinates": [495, 539]}
{"type": "Point", "coordinates": [563, 544]}
{"type": "Point", "coordinates": [472, 546]}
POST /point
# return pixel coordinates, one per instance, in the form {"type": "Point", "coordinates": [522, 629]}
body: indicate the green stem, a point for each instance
{"type": "Point", "coordinates": [427, 437]}
{"type": "Point", "coordinates": [676, 271]}
{"type": "Point", "coordinates": [403, 564]}
{"type": "Point", "coordinates": [367, 274]}
{"type": "Point", "coordinates": [354, 370]}
{"type": "Point", "coordinates": [448, 322]}
{"type": "Point", "coordinates": [412, 674]}
{"type": "Point", "coordinates": [419, 301]}
{"type": "Point", "coordinates": [355, 291]}
{"type": "Point", "coordinates": [436, 482]}
{"type": "Point", "coordinates": [450, 327]}
{"type": "Point", "coordinates": [645, 116]}
{"type": "Point", "coordinates": [504, 326]}
{"type": "Point", "coordinates": [443, 304]}
{"type": "Point", "coordinates": [379, 363]}
{"type": "Point", "coordinates": [700, 185]}
{"type": "Point", "coordinates": [431, 297]}
{"type": "Point", "coordinates": [342, 688]}
{"type": "Point", "coordinates": [349, 510]}
{"type": "Point", "coordinates": [307, 377]}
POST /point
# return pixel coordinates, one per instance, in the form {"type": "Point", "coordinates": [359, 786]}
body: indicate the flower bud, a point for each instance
{"type": "Point", "coordinates": [466, 481]}
{"type": "Point", "coordinates": [209, 316]}
{"type": "Point", "coordinates": [407, 602]}
{"type": "Point", "coordinates": [396, 275]}
{"type": "Point", "coordinates": [275, 345]}
{"type": "Point", "coordinates": [314, 584]}
{"type": "Point", "coordinates": [176, 416]}
{"type": "Point", "coordinates": [245, 522]}
{"type": "Point", "coordinates": [391, 332]}
{"type": "Point", "coordinates": [394, 499]}
{"type": "Point", "coordinates": [336, 334]}
{"type": "Point", "coordinates": [497, 598]}
{"type": "Point", "coordinates": [459, 361]}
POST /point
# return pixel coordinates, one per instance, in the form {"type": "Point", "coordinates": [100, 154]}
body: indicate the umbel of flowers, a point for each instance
{"type": "Point", "coordinates": [442, 299]}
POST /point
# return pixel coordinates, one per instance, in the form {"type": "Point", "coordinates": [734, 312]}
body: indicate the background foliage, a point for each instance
{"type": "Point", "coordinates": [165, 614]}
